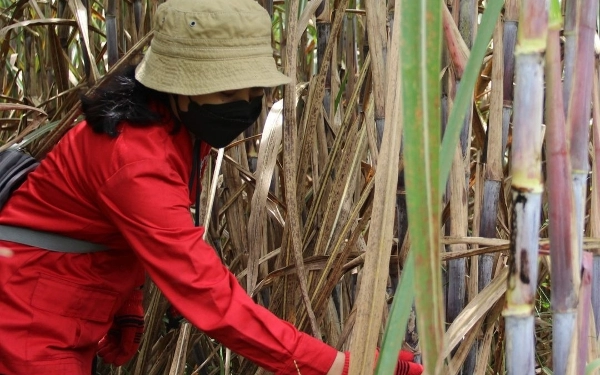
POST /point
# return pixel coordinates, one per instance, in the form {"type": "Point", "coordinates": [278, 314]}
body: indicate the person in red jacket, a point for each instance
{"type": "Point", "coordinates": [123, 178]}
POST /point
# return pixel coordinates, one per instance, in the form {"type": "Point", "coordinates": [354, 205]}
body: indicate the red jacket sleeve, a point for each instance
{"type": "Point", "coordinates": [148, 203]}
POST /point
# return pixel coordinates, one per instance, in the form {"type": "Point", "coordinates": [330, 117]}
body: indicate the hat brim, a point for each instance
{"type": "Point", "coordinates": [199, 77]}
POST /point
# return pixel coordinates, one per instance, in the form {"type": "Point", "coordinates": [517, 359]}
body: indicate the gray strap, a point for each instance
{"type": "Point", "coordinates": [47, 240]}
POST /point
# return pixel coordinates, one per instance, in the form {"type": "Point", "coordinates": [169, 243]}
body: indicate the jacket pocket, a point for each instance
{"type": "Point", "coordinates": [65, 298]}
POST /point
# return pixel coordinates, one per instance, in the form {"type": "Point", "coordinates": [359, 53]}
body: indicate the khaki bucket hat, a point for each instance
{"type": "Point", "coordinates": [205, 46]}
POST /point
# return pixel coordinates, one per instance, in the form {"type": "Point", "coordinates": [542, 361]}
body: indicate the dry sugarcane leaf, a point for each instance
{"type": "Point", "coordinates": [81, 15]}
{"type": "Point", "coordinates": [36, 22]}
{"type": "Point", "coordinates": [371, 295]}
{"type": "Point", "coordinates": [37, 120]}
{"type": "Point", "coordinates": [459, 52]}
{"type": "Point", "coordinates": [69, 118]}
{"type": "Point", "coordinates": [59, 64]}
{"type": "Point", "coordinates": [267, 157]}
{"type": "Point", "coordinates": [475, 311]}
{"type": "Point", "coordinates": [235, 191]}
{"type": "Point", "coordinates": [290, 162]}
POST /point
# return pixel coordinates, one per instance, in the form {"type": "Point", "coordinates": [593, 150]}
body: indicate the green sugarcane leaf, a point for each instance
{"type": "Point", "coordinates": [392, 339]}
{"type": "Point", "coordinates": [420, 62]}
{"type": "Point", "coordinates": [592, 367]}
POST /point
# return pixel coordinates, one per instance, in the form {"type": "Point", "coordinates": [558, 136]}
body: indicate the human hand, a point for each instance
{"type": "Point", "coordinates": [123, 339]}
{"type": "Point", "coordinates": [5, 252]}
{"type": "Point", "coordinates": [405, 365]}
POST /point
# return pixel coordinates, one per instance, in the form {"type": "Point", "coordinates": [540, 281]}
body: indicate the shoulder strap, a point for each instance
{"type": "Point", "coordinates": [47, 240]}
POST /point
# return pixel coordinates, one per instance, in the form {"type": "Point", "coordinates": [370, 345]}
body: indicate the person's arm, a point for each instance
{"type": "Point", "coordinates": [338, 364]}
{"type": "Point", "coordinates": [148, 203]}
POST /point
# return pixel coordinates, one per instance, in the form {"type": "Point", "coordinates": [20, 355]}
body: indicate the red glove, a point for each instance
{"type": "Point", "coordinates": [123, 339]}
{"type": "Point", "coordinates": [405, 365]}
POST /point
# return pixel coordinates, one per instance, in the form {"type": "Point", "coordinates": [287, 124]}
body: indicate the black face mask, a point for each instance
{"type": "Point", "coordinates": [219, 124]}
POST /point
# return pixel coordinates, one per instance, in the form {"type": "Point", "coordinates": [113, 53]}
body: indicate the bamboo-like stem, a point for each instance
{"type": "Point", "coordinates": [578, 119]}
{"type": "Point", "coordinates": [492, 167]}
{"type": "Point", "coordinates": [595, 205]}
{"type": "Point", "coordinates": [509, 41]}
{"type": "Point", "coordinates": [459, 178]}
{"type": "Point", "coordinates": [578, 115]}
{"type": "Point", "coordinates": [493, 158]}
{"type": "Point", "coordinates": [563, 239]}
{"type": "Point", "coordinates": [137, 15]}
{"type": "Point", "coordinates": [467, 20]}
{"type": "Point", "coordinates": [458, 228]}
{"type": "Point", "coordinates": [583, 313]}
{"type": "Point", "coordinates": [519, 322]}
{"type": "Point", "coordinates": [111, 33]}
{"type": "Point", "coordinates": [526, 188]}
{"type": "Point", "coordinates": [494, 172]}
{"type": "Point", "coordinates": [569, 49]}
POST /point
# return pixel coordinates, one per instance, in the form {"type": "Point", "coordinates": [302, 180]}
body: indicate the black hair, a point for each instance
{"type": "Point", "coordinates": [122, 98]}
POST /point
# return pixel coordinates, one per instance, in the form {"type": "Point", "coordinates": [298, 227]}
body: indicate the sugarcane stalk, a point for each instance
{"type": "Point", "coordinates": [497, 142]}
{"type": "Point", "coordinates": [595, 200]}
{"type": "Point", "coordinates": [111, 33]}
{"type": "Point", "coordinates": [583, 313]}
{"type": "Point", "coordinates": [509, 39]}
{"type": "Point", "coordinates": [578, 115]}
{"type": "Point", "coordinates": [579, 103]}
{"type": "Point", "coordinates": [457, 226]}
{"type": "Point", "coordinates": [492, 171]}
{"type": "Point", "coordinates": [137, 15]}
{"type": "Point", "coordinates": [459, 176]}
{"type": "Point", "coordinates": [563, 239]}
{"type": "Point", "coordinates": [526, 188]}
{"type": "Point", "coordinates": [569, 34]}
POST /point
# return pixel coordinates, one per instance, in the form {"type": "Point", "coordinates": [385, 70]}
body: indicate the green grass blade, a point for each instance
{"type": "Point", "coordinates": [393, 337]}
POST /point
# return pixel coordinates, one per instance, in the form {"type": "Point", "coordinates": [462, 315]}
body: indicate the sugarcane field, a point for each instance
{"type": "Point", "coordinates": [245, 187]}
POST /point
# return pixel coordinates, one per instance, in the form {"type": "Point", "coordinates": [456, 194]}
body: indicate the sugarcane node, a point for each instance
{"type": "Point", "coordinates": [531, 46]}
{"type": "Point", "coordinates": [518, 310]}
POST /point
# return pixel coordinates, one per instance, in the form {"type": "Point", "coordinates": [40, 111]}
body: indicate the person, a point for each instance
{"type": "Point", "coordinates": [125, 178]}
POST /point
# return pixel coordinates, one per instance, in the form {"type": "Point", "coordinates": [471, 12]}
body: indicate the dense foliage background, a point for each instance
{"type": "Point", "coordinates": [405, 112]}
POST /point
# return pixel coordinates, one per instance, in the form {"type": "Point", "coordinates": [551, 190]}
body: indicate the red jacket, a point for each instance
{"type": "Point", "coordinates": [130, 193]}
